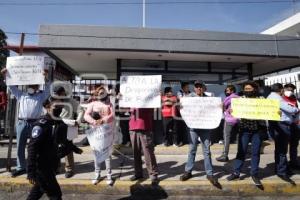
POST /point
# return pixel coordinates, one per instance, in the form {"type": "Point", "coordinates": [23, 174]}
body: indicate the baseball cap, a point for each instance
{"type": "Point", "coordinates": [199, 83]}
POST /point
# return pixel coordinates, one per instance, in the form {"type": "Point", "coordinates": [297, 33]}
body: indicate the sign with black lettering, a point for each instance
{"type": "Point", "coordinates": [140, 91]}
{"type": "Point", "coordinates": [26, 70]}
{"type": "Point", "coordinates": [101, 140]}
{"type": "Point", "coordinates": [201, 112]}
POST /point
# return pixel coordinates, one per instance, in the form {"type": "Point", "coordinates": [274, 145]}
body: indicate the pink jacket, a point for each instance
{"type": "Point", "coordinates": [105, 111]}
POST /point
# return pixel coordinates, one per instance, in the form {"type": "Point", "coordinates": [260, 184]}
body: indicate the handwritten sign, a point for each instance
{"type": "Point", "coordinates": [201, 112]}
{"type": "Point", "coordinates": [140, 91]}
{"type": "Point", "coordinates": [26, 70]}
{"type": "Point", "coordinates": [263, 109]}
{"type": "Point", "coordinates": [101, 140]}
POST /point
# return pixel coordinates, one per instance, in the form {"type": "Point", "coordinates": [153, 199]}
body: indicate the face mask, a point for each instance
{"type": "Point", "coordinates": [288, 93]}
{"type": "Point", "coordinates": [250, 94]}
{"type": "Point", "coordinates": [103, 99]}
{"type": "Point", "coordinates": [227, 94]}
{"type": "Point", "coordinates": [30, 91]}
{"type": "Point", "coordinates": [56, 112]}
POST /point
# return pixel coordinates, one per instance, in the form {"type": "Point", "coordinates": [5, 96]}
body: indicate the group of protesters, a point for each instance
{"type": "Point", "coordinates": [138, 129]}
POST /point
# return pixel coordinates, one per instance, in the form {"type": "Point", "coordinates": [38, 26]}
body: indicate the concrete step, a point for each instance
{"type": "Point", "coordinates": [144, 189]}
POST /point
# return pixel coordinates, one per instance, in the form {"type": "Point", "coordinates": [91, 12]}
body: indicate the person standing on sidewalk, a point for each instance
{"type": "Point", "coordinates": [229, 122]}
{"type": "Point", "coordinates": [42, 155]}
{"type": "Point", "coordinates": [169, 112]}
{"type": "Point", "coordinates": [30, 109]}
{"type": "Point", "coordinates": [204, 135]}
{"type": "Point", "coordinates": [140, 130]}
{"type": "Point", "coordinates": [98, 113]}
{"type": "Point", "coordinates": [68, 115]}
{"type": "Point", "coordinates": [291, 99]}
{"type": "Point", "coordinates": [281, 131]}
{"type": "Point", "coordinates": [249, 131]}
{"type": "Point", "coordinates": [183, 92]}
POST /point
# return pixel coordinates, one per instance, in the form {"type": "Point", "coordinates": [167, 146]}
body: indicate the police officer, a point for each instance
{"type": "Point", "coordinates": [42, 155]}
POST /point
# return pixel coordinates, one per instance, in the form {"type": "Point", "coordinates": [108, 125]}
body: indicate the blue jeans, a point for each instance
{"type": "Point", "coordinates": [282, 133]}
{"type": "Point", "coordinates": [23, 132]}
{"type": "Point", "coordinates": [204, 136]}
{"type": "Point", "coordinates": [244, 139]}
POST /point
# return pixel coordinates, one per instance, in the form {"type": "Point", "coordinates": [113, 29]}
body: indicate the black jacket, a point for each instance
{"type": "Point", "coordinates": [42, 150]}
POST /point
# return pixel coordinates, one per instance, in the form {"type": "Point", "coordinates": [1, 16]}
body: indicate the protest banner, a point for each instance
{"type": "Point", "coordinates": [201, 112]}
{"type": "Point", "coordinates": [261, 109]}
{"type": "Point", "coordinates": [101, 140]}
{"type": "Point", "coordinates": [27, 70]}
{"type": "Point", "coordinates": [140, 91]}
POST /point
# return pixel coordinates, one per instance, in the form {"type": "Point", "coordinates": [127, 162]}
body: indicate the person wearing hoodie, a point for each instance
{"type": "Point", "coordinates": [281, 131]}
{"type": "Point", "coordinates": [229, 123]}
{"type": "Point", "coordinates": [291, 99]}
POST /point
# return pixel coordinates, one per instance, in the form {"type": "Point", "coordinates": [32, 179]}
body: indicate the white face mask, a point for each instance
{"type": "Point", "coordinates": [30, 91]}
{"type": "Point", "coordinates": [288, 93]}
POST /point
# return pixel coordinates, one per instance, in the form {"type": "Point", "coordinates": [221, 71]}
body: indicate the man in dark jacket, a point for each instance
{"type": "Point", "coordinates": [43, 156]}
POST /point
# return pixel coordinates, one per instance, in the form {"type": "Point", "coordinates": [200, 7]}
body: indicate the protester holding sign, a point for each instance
{"type": "Point", "coordinates": [99, 114]}
{"type": "Point", "coordinates": [281, 131]}
{"type": "Point", "coordinates": [140, 129]}
{"type": "Point", "coordinates": [30, 109]}
{"type": "Point", "coordinates": [204, 135]}
{"type": "Point", "coordinates": [229, 123]}
{"type": "Point", "coordinates": [249, 131]}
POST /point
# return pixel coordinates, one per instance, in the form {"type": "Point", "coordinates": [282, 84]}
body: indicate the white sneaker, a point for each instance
{"type": "Point", "coordinates": [221, 142]}
{"type": "Point", "coordinates": [109, 180]}
{"type": "Point", "coordinates": [96, 179]}
{"type": "Point", "coordinates": [128, 144]}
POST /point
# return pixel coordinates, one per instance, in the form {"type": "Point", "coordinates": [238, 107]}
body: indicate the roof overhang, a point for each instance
{"type": "Point", "coordinates": [287, 27]}
{"type": "Point", "coordinates": [92, 50]}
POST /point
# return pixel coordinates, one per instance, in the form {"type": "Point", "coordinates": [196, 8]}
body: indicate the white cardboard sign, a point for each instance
{"type": "Point", "coordinates": [26, 70]}
{"type": "Point", "coordinates": [140, 91]}
{"type": "Point", "coordinates": [101, 140]}
{"type": "Point", "coordinates": [201, 112]}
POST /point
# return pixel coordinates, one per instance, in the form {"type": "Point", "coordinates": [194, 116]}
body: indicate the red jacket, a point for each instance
{"type": "Point", "coordinates": [141, 119]}
{"type": "Point", "coordinates": [169, 110]}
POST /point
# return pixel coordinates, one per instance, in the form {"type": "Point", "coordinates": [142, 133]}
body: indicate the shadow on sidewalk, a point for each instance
{"type": "Point", "coordinates": [146, 192]}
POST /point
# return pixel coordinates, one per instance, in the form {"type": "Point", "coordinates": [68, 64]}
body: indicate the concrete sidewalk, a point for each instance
{"type": "Point", "coordinates": [171, 162]}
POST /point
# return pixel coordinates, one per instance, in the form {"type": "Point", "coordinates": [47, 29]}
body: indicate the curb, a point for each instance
{"type": "Point", "coordinates": [165, 187]}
